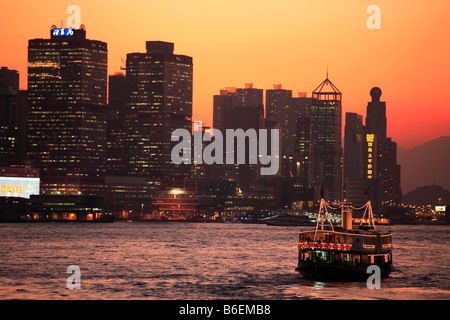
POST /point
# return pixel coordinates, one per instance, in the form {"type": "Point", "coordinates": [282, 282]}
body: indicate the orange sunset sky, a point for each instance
{"type": "Point", "coordinates": [234, 42]}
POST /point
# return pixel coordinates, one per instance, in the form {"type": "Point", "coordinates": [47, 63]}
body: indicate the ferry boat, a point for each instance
{"type": "Point", "coordinates": [344, 253]}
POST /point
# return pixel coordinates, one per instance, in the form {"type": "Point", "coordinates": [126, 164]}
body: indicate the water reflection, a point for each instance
{"type": "Point", "coordinates": [200, 261]}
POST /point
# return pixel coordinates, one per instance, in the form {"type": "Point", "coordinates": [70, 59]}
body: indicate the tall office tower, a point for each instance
{"type": "Point", "coordinates": [239, 108]}
{"type": "Point", "coordinates": [298, 107]}
{"type": "Point", "coordinates": [355, 182]}
{"type": "Point", "coordinates": [202, 173]}
{"type": "Point", "coordinates": [159, 100]}
{"type": "Point", "coordinates": [326, 115]}
{"type": "Point", "coordinates": [115, 150]}
{"type": "Point", "coordinates": [9, 78]}
{"type": "Point", "coordinates": [282, 107]}
{"type": "Point", "coordinates": [383, 172]}
{"type": "Point", "coordinates": [67, 87]}
{"type": "Point", "coordinates": [277, 100]}
{"type": "Point", "coordinates": [222, 104]}
{"type": "Point", "coordinates": [353, 146]}
{"type": "Point", "coordinates": [304, 151]}
{"type": "Point", "coordinates": [248, 108]}
{"type": "Point", "coordinates": [277, 109]}
{"type": "Point", "coordinates": [376, 114]}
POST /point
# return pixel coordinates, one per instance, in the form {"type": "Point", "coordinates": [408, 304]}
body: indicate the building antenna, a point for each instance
{"type": "Point", "coordinates": [327, 70]}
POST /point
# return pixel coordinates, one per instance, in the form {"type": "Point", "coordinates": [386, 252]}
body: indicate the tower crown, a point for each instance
{"type": "Point", "coordinates": [375, 93]}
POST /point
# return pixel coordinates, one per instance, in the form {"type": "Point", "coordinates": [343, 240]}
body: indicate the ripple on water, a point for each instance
{"type": "Point", "coordinates": [200, 261]}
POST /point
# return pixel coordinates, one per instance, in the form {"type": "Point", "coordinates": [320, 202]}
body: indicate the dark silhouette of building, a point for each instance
{"type": "Point", "coordinates": [282, 107]}
{"type": "Point", "coordinates": [13, 117]}
{"type": "Point", "coordinates": [382, 170]}
{"type": "Point", "coordinates": [376, 114]}
{"type": "Point", "coordinates": [354, 146]}
{"type": "Point", "coordinates": [355, 162]}
{"type": "Point", "coordinates": [159, 100]}
{"type": "Point", "coordinates": [8, 125]}
{"type": "Point", "coordinates": [67, 88]}
{"type": "Point", "coordinates": [304, 155]}
{"type": "Point", "coordinates": [371, 171]}
{"type": "Point", "coordinates": [9, 78]}
{"type": "Point", "coordinates": [239, 108]}
{"type": "Point", "coordinates": [115, 149]}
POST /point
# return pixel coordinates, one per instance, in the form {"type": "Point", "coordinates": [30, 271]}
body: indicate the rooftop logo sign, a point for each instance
{"type": "Point", "coordinates": [62, 32]}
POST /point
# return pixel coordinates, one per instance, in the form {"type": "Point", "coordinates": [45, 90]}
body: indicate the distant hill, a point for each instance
{"type": "Point", "coordinates": [427, 195]}
{"type": "Point", "coordinates": [427, 164]}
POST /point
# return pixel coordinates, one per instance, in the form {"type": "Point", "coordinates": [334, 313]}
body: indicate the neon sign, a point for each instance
{"type": "Point", "coordinates": [62, 32]}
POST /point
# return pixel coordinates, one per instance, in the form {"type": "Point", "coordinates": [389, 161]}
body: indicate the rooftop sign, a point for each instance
{"type": "Point", "coordinates": [62, 32]}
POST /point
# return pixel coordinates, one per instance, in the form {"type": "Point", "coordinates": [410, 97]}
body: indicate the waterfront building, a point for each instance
{"type": "Point", "coordinates": [67, 88]}
{"type": "Point", "coordinates": [176, 203]}
{"type": "Point", "coordinates": [159, 100]}
{"type": "Point", "coordinates": [129, 197]}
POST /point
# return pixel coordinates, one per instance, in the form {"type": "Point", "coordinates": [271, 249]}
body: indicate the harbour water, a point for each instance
{"type": "Point", "coordinates": [205, 261]}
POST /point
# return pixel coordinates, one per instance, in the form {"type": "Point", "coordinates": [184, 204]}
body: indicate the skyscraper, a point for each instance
{"type": "Point", "coordinates": [115, 150]}
{"type": "Point", "coordinates": [355, 159]}
{"type": "Point", "coordinates": [67, 87]}
{"type": "Point", "coordinates": [382, 171]}
{"type": "Point", "coordinates": [354, 140]}
{"type": "Point", "coordinates": [376, 114]}
{"type": "Point", "coordinates": [326, 116]}
{"type": "Point", "coordinates": [239, 108]}
{"type": "Point", "coordinates": [159, 100]}
{"type": "Point", "coordinates": [304, 155]}
{"type": "Point", "coordinates": [222, 104]}
{"type": "Point", "coordinates": [286, 110]}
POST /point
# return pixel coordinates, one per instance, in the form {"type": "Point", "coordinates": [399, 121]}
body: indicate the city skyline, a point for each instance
{"type": "Point", "coordinates": [235, 51]}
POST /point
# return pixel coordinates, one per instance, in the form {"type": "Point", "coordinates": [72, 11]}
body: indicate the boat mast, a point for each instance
{"type": "Point", "coordinates": [321, 216]}
{"type": "Point", "coordinates": [369, 212]}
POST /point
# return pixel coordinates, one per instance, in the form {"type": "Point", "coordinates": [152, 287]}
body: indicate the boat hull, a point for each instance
{"type": "Point", "coordinates": [339, 272]}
